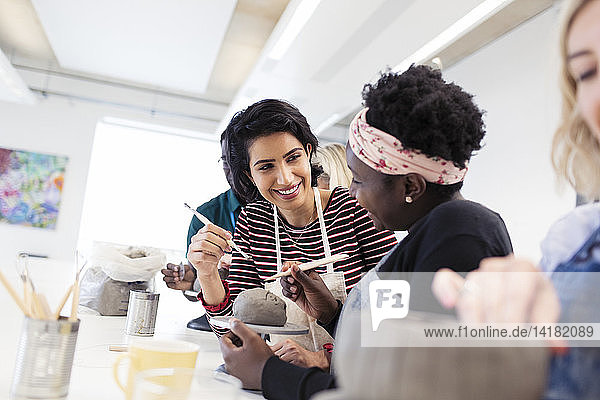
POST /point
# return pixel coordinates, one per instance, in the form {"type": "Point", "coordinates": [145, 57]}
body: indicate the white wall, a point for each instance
{"type": "Point", "coordinates": [515, 80]}
{"type": "Point", "coordinates": [57, 125]}
{"type": "Point", "coordinates": [137, 183]}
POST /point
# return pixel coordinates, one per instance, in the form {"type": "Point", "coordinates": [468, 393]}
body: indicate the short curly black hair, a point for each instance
{"type": "Point", "coordinates": [428, 114]}
{"type": "Point", "coordinates": [262, 119]}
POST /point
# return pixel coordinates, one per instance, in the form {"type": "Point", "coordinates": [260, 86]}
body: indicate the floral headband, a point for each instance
{"type": "Point", "coordinates": [384, 153]}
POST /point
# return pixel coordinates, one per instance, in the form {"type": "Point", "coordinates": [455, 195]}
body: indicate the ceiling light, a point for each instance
{"type": "Point", "coordinates": [328, 123]}
{"type": "Point", "coordinates": [238, 104]}
{"type": "Point", "coordinates": [168, 130]}
{"type": "Point", "coordinates": [459, 28]}
{"type": "Point", "coordinates": [301, 16]}
{"type": "Point", "coordinates": [12, 87]}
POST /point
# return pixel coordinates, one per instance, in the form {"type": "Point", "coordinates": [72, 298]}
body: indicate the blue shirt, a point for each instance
{"type": "Point", "coordinates": [222, 210]}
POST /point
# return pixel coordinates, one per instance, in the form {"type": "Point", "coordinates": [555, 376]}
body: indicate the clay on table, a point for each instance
{"type": "Point", "coordinates": [259, 307]}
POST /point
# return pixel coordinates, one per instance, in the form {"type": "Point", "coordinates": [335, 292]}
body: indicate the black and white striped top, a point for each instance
{"type": "Point", "coordinates": [349, 230]}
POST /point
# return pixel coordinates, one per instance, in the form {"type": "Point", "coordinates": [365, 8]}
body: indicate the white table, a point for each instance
{"type": "Point", "coordinates": [92, 376]}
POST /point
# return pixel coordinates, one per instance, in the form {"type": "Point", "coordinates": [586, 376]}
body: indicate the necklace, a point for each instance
{"type": "Point", "coordinates": [303, 231]}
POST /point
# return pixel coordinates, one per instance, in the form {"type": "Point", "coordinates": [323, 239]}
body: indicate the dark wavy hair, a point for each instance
{"type": "Point", "coordinates": [262, 119]}
{"type": "Point", "coordinates": [428, 114]}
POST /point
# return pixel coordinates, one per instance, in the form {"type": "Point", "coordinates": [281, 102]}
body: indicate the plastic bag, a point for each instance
{"type": "Point", "coordinates": [105, 295]}
{"type": "Point", "coordinates": [114, 271]}
{"type": "Point", "coordinates": [127, 264]}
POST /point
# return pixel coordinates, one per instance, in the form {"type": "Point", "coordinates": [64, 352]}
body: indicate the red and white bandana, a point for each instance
{"type": "Point", "coordinates": [384, 153]}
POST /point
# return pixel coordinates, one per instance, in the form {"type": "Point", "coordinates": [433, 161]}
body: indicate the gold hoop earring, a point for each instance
{"type": "Point", "coordinates": [408, 199]}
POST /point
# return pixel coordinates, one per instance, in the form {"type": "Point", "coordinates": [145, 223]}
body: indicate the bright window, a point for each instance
{"type": "Point", "coordinates": [138, 181]}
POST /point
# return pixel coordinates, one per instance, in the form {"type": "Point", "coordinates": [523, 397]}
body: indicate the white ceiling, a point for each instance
{"type": "Point", "coordinates": [166, 44]}
{"type": "Point", "coordinates": [344, 45]}
{"type": "Point", "coordinates": [212, 56]}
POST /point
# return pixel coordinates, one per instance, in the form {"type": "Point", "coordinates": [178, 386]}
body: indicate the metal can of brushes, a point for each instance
{"type": "Point", "coordinates": [44, 359]}
{"type": "Point", "coordinates": [141, 313]}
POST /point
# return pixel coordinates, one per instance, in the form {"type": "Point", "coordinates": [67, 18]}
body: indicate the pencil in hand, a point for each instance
{"type": "Point", "coordinates": [207, 221]}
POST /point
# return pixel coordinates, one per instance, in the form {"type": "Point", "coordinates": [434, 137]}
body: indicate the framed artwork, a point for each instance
{"type": "Point", "coordinates": [30, 187]}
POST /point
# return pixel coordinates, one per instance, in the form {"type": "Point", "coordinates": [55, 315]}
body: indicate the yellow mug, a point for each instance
{"type": "Point", "coordinates": [152, 354]}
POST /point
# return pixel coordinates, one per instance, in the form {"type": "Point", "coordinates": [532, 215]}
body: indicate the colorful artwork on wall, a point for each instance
{"type": "Point", "coordinates": [30, 187]}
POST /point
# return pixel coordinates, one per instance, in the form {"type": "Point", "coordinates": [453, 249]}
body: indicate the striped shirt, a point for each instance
{"type": "Point", "coordinates": [349, 230]}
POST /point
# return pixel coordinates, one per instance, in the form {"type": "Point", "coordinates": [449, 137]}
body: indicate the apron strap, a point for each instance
{"type": "Point", "coordinates": [322, 226]}
{"type": "Point", "coordinates": [277, 244]}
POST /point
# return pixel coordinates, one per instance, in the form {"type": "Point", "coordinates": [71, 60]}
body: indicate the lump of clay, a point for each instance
{"type": "Point", "coordinates": [259, 307]}
{"type": "Point", "coordinates": [135, 252]}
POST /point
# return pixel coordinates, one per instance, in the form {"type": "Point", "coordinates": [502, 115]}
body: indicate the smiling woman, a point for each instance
{"type": "Point", "coordinates": [285, 180]}
{"type": "Point", "coordinates": [576, 145]}
{"type": "Point", "coordinates": [286, 220]}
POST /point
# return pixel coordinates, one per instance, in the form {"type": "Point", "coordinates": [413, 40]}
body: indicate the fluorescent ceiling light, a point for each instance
{"type": "Point", "coordinates": [301, 16]}
{"type": "Point", "coordinates": [328, 123]}
{"type": "Point", "coordinates": [168, 130]}
{"type": "Point", "coordinates": [12, 87]}
{"type": "Point", "coordinates": [333, 119]}
{"type": "Point", "coordinates": [459, 28]}
{"type": "Point", "coordinates": [238, 104]}
{"type": "Point", "coordinates": [483, 11]}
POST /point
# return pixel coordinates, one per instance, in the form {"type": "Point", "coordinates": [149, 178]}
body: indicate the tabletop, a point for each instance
{"type": "Point", "coordinates": [92, 376]}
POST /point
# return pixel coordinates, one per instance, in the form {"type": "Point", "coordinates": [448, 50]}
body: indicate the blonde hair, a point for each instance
{"type": "Point", "coordinates": [575, 149]}
{"type": "Point", "coordinates": [332, 158]}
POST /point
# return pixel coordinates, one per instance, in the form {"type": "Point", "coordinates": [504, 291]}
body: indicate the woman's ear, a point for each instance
{"type": "Point", "coordinates": [415, 186]}
{"type": "Point", "coordinates": [249, 177]}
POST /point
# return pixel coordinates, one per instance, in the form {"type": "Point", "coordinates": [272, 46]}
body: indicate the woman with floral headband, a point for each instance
{"type": "Point", "coordinates": [408, 151]}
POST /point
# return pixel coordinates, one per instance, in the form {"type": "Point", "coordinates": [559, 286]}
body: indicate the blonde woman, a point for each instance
{"type": "Point", "coordinates": [332, 159]}
{"type": "Point", "coordinates": [576, 145]}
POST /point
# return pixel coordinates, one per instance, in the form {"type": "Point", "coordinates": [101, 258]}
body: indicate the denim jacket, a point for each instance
{"type": "Point", "coordinates": [576, 374]}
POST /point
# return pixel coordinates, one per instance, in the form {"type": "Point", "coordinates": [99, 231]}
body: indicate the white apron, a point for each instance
{"type": "Point", "coordinates": [317, 336]}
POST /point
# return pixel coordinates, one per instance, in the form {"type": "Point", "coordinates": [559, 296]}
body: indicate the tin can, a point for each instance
{"type": "Point", "coordinates": [141, 313]}
{"type": "Point", "coordinates": [44, 359]}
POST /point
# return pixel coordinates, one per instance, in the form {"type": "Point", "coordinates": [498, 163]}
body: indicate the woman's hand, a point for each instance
{"type": "Point", "coordinates": [247, 361]}
{"type": "Point", "coordinates": [290, 351]}
{"type": "Point", "coordinates": [206, 249]}
{"type": "Point", "coordinates": [176, 279]}
{"type": "Point", "coordinates": [502, 290]}
{"type": "Point", "coordinates": [225, 261]}
{"type": "Point", "coordinates": [309, 292]}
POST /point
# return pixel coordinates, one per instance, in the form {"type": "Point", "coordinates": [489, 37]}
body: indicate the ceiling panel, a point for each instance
{"type": "Point", "coordinates": [167, 44]}
{"type": "Point", "coordinates": [21, 32]}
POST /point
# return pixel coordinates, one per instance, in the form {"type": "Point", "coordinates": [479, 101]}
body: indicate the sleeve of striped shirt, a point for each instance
{"type": "Point", "coordinates": [374, 244]}
{"type": "Point", "coordinates": [242, 274]}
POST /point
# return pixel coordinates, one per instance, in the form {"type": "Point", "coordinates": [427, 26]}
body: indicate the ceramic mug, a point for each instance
{"type": "Point", "coordinates": [152, 354]}
{"type": "Point", "coordinates": [185, 384]}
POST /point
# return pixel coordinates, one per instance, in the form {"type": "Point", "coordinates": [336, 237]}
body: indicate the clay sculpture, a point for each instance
{"type": "Point", "coordinates": [259, 307]}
